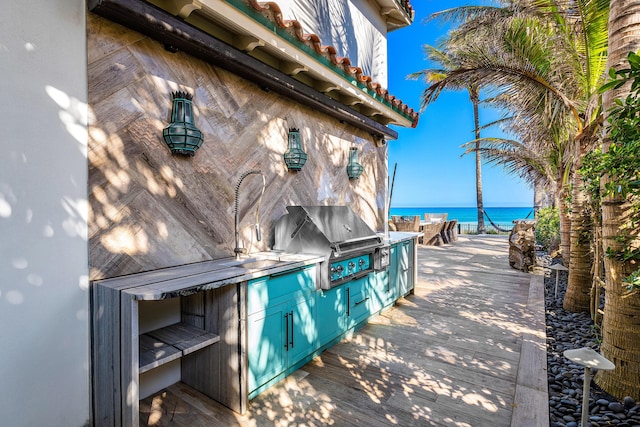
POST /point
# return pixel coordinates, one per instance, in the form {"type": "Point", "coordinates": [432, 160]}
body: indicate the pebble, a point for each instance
{"type": "Point", "coordinates": [574, 330]}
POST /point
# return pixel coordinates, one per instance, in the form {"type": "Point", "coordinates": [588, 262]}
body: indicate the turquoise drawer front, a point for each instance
{"type": "Point", "coordinates": [271, 289]}
{"type": "Point", "coordinates": [358, 301]}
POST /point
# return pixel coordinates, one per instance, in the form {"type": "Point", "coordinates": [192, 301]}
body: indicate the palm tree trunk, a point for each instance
{"type": "Point", "coordinates": [621, 319]}
{"type": "Point", "coordinates": [565, 226]}
{"type": "Point", "coordinates": [475, 99]}
{"type": "Point", "coordinates": [577, 298]}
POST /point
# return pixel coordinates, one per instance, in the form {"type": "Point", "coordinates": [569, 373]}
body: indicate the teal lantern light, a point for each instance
{"type": "Point", "coordinates": [182, 136]}
{"type": "Point", "coordinates": [354, 169]}
{"type": "Point", "coordinates": [295, 157]}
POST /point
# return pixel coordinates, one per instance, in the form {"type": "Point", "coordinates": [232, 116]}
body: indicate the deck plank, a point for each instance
{"type": "Point", "coordinates": [467, 349]}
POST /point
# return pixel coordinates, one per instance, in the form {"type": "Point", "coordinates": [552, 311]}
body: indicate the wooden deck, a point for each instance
{"type": "Point", "coordinates": [468, 349]}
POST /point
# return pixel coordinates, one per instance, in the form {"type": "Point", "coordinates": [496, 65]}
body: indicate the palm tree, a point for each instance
{"type": "Point", "coordinates": [447, 62]}
{"type": "Point", "coordinates": [549, 58]}
{"type": "Point", "coordinates": [543, 157]}
{"type": "Point", "coordinates": [620, 327]}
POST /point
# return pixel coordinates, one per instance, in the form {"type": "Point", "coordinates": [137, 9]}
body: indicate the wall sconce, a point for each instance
{"type": "Point", "coordinates": [182, 136]}
{"type": "Point", "coordinates": [294, 157]}
{"type": "Point", "coordinates": [354, 169]}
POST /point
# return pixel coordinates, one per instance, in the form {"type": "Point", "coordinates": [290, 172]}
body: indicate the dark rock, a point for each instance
{"type": "Point", "coordinates": [616, 407]}
{"type": "Point", "coordinates": [565, 379]}
{"type": "Point", "coordinates": [570, 402]}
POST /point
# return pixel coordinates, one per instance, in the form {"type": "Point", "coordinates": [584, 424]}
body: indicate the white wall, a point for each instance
{"type": "Point", "coordinates": [44, 322]}
{"type": "Point", "coordinates": [354, 27]}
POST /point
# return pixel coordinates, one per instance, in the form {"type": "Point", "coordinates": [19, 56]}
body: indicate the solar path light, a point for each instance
{"type": "Point", "coordinates": [590, 360]}
{"type": "Point", "coordinates": [558, 268]}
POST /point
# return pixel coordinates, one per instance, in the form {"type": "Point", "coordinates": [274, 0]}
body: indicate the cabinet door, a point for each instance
{"type": "Point", "coordinates": [331, 312]}
{"type": "Point", "coordinates": [358, 301]}
{"type": "Point", "coordinates": [381, 291]}
{"type": "Point", "coordinates": [405, 260]}
{"type": "Point", "coordinates": [266, 344]}
{"type": "Point", "coordinates": [394, 271]}
{"type": "Point", "coordinates": [303, 334]}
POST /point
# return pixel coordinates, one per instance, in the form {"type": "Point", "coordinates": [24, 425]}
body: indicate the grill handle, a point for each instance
{"type": "Point", "coordinates": [299, 226]}
{"type": "Point", "coordinates": [349, 246]}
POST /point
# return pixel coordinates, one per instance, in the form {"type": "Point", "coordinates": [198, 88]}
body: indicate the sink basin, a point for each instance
{"type": "Point", "coordinates": [256, 264]}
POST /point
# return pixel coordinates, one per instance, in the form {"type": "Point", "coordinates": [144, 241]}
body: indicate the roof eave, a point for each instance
{"type": "Point", "coordinates": [398, 13]}
{"type": "Point", "coordinates": [153, 22]}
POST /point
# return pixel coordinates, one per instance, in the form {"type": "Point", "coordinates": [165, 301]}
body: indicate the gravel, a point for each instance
{"type": "Point", "coordinates": [567, 331]}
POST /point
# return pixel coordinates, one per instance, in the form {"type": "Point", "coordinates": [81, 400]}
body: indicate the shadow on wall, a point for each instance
{"type": "Point", "coordinates": [44, 309]}
{"type": "Point", "coordinates": [149, 209]}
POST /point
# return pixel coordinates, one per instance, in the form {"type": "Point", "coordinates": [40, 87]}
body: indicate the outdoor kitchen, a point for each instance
{"type": "Point", "coordinates": [218, 325]}
{"type": "Point", "coordinates": [238, 212]}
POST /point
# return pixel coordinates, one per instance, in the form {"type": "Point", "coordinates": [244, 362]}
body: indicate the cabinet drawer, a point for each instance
{"type": "Point", "coordinates": [358, 300]}
{"type": "Point", "coordinates": [270, 289]}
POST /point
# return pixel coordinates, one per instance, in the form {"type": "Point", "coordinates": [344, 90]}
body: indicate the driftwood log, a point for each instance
{"type": "Point", "coordinates": [522, 242]}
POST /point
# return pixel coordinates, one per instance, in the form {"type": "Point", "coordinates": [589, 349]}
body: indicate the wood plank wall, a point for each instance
{"type": "Point", "coordinates": [149, 209]}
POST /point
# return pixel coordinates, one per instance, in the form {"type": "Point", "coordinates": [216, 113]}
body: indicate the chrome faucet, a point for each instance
{"type": "Point", "coordinates": [238, 250]}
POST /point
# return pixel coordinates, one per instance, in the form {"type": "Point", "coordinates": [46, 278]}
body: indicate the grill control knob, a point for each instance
{"type": "Point", "coordinates": [351, 265]}
{"type": "Point", "coordinates": [360, 262]}
{"type": "Point", "coordinates": [339, 269]}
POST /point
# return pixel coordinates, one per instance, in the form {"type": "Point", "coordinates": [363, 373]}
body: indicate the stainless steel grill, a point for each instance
{"type": "Point", "coordinates": [350, 247]}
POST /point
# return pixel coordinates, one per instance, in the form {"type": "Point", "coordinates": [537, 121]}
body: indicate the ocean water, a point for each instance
{"type": "Point", "coordinates": [501, 216]}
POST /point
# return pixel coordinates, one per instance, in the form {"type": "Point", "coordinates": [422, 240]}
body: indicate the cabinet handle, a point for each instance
{"type": "Point", "coordinates": [285, 272]}
{"type": "Point", "coordinates": [286, 322]}
{"type": "Point", "coordinates": [348, 303]}
{"type": "Point", "coordinates": [360, 302]}
{"type": "Point", "coordinates": [291, 317]}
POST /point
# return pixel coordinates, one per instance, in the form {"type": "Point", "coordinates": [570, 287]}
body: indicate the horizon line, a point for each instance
{"type": "Point", "coordinates": [458, 207]}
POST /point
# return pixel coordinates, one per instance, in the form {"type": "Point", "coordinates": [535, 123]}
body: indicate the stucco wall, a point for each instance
{"type": "Point", "coordinates": [44, 320]}
{"type": "Point", "coordinates": [150, 209]}
{"type": "Point", "coordinates": [354, 27]}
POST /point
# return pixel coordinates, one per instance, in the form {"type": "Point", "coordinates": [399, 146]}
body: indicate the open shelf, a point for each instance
{"type": "Point", "coordinates": [170, 343]}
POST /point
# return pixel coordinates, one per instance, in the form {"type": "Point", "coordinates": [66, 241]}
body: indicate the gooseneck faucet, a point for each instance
{"type": "Point", "coordinates": [238, 250]}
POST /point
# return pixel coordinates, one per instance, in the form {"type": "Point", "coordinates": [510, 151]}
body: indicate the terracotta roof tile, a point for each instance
{"type": "Point", "coordinates": [272, 11]}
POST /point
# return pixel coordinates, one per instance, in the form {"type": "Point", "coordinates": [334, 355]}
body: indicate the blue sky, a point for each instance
{"type": "Point", "coordinates": [430, 171]}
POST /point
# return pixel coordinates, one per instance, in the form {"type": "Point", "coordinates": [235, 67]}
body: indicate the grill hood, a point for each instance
{"type": "Point", "coordinates": [332, 231]}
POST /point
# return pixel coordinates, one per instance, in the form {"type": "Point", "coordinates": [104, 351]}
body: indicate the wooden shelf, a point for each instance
{"type": "Point", "coordinates": [170, 343]}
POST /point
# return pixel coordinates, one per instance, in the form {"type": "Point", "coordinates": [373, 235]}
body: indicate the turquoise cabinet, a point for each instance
{"type": "Point", "coordinates": [382, 293]}
{"type": "Point", "coordinates": [358, 301]}
{"type": "Point", "coordinates": [289, 321]}
{"type": "Point", "coordinates": [281, 323]}
{"type": "Point", "coordinates": [343, 307]}
{"type": "Point", "coordinates": [331, 312]}
{"type": "Point", "coordinates": [401, 274]}
{"type": "Point", "coordinates": [405, 267]}
{"type": "Point", "coordinates": [266, 344]}
{"type": "Point", "coordinates": [303, 336]}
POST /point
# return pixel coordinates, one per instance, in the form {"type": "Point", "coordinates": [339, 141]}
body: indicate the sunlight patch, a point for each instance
{"type": "Point", "coordinates": [14, 297]}
{"type": "Point", "coordinates": [479, 400]}
{"type": "Point", "coordinates": [5, 208]}
{"type": "Point", "coordinates": [124, 240]}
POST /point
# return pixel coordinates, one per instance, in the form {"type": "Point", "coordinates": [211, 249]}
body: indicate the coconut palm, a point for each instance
{"type": "Point", "coordinates": [548, 57]}
{"type": "Point", "coordinates": [546, 143]}
{"type": "Point", "coordinates": [620, 327]}
{"type": "Point", "coordinates": [447, 63]}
